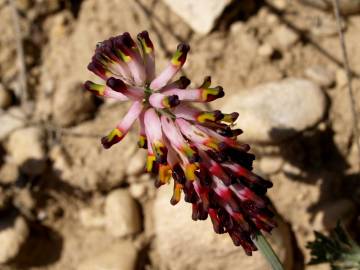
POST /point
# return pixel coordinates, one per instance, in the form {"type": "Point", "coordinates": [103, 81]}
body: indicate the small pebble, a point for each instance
{"type": "Point", "coordinates": [265, 50]}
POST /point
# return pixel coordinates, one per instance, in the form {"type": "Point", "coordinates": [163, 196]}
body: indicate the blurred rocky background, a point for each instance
{"type": "Point", "coordinates": [65, 203]}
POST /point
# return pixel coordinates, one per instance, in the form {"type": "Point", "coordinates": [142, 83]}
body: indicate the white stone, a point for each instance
{"type": "Point", "coordinates": [13, 234]}
{"type": "Point", "coordinates": [320, 75]}
{"type": "Point", "coordinates": [201, 15]}
{"type": "Point", "coordinates": [119, 256]}
{"type": "Point", "coordinates": [26, 149]}
{"type": "Point", "coordinates": [272, 112]}
{"type": "Point", "coordinates": [122, 215]}
{"type": "Point", "coordinates": [270, 165]}
{"type": "Point", "coordinates": [194, 245]}
{"type": "Point", "coordinates": [10, 120]}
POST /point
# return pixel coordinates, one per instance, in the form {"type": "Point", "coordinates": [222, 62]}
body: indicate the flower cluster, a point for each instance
{"type": "Point", "coordinates": [198, 149]}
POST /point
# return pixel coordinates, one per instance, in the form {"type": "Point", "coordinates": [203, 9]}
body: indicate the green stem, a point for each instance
{"type": "Point", "coordinates": [263, 245]}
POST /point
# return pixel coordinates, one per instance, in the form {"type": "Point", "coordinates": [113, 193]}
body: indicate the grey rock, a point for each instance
{"type": "Point", "coordinates": [122, 215]}
{"type": "Point", "coordinates": [201, 15]}
{"type": "Point", "coordinates": [10, 120]}
{"type": "Point", "coordinates": [13, 234]}
{"type": "Point", "coordinates": [26, 149]}
{"type": "Point", "coordinates": [194, 245]}
{"type": "Point", "coordinates": [276, 111]}
{"type": "Point", "coordinates": [346, 6]}
{"type": "Point", "coordinates": [119, 256]}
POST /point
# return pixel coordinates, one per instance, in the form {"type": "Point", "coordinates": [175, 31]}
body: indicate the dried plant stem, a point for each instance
{"type": "Point", "coordinates": [263, 245]}
{"type": "Point", "coordinates": [23, 95]}
{"type": "Point", "coordinates": [349, 77]}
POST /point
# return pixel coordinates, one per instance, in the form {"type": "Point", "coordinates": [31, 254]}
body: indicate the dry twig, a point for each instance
{"type": "Point", "coordinates": [20, 53]}
{"type": "Point", "coordinates": [349, 77]}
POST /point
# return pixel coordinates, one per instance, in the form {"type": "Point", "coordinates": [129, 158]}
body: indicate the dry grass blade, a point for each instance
{"type": "Point", "coordinates": [23, 95]}
{"type": "Point", "coordinates": [349, 77]}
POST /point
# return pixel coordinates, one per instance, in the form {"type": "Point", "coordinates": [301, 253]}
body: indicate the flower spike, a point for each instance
{"type": "Point", "coordinates": [197, 149]}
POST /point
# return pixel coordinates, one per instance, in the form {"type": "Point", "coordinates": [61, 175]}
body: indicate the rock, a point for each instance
{"type": "Point", "coordinates": [136, 164]}
{"type": "Point", "coordinates": [5, 98]}
{"type": "Point", "coordinates": [265, 50]}
{"type": "Point", "coordinates": [270, 165]}
{"type": "Point", "coordinates": [283, 37]}
{"type": "Point", "coordinates": [346, 6]}
{"type": "Point", "coordinates": [201, 15]}
{"type": "Point", "coordinates": [122, 214]}
{"type": "Point", "coordinates": [343, 210]}
{"type": "Point", "coordinates": [276, 111]}
{"type": "Point", "coordinates": [320, 75]}
{"type": "Point", "coordinates": [138, 190]}
{"type": "Point", "coordinates": [72, 104]}
{"type": "Point", "coordinates": [119, 256]}
{"type": "Point", "coordinates": [13, 234]}
{"type": "Point", "coordinates": [26, 149]}
{"type": "Point", "coordinates": [10, 120]}
{"type": "Point", "coordinates": [194, 245]}
{"type": "Point", "coordinates": [9, 173]}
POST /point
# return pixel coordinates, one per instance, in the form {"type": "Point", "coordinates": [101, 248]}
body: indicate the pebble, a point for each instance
{"type": "Point", "coordinates": [119, 256]}
{"type": "Point", "coordinates": [136, 164]}
{"type": "Point", "coordinates": [201, 15]}
{"type": "Point", "coordinates": [347, 7]}
{"type": "Point", "coordinates": [26, 149]}
{"type": "Point", "coordinates": [321, 75]}
{"type": "Point", "coordinates": [284, 37]}
{"type": "Point", "coordinates": [265, 50]}
{"type": "Point", "coordinates": [10, 120]}
{"type": "Point", "coordinates": [276, 111]}
{"type": "Point", "coordinates": [13, 234]}
{"type": "Point", "coordinates": [122, 216]}
{"type": "Point", "coordinates": [195, 243]}
{"type": "Point", "coordinates": [270, 164]}
{"type": "Point", "coordinates": [5, 98]}
{"type": "Point", "coordinates": [9, 173]}
{"type": "Point", "coordinates": [138, 190]}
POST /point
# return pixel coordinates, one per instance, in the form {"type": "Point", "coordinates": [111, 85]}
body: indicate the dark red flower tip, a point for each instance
{"type": "Point", "coordinates": [144, 37]}
{"type": "Point", "coordinates": [183, 82]}
{"type": "Point", "coordinates": [116, 84]}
